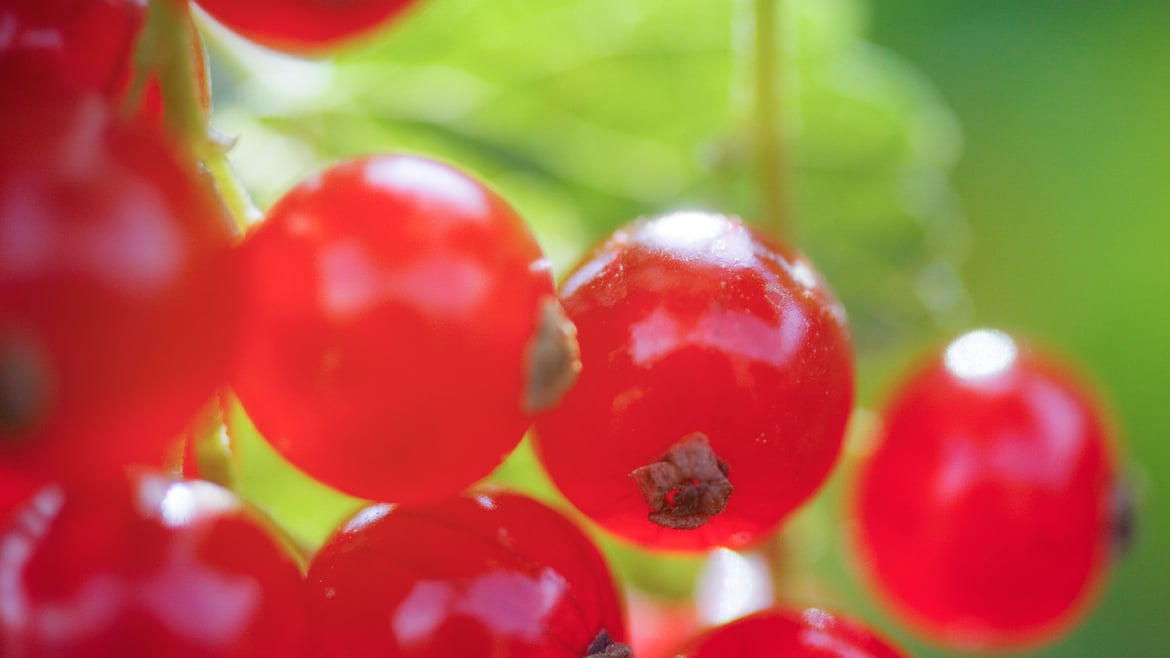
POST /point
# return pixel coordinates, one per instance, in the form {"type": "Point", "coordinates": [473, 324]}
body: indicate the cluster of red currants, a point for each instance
{"type": "Point", "coordinates": [392, 328]}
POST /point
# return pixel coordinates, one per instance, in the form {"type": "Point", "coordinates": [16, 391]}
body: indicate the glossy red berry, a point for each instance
{"type": "Point", "coordinates": [391, 343]}
{"type": "Point", "coordinates": [485, 574]}
{"type": "Point", "coordinates": [717, 379]}
{"type": "Point", "coordinates": [117, 291]}
{"type": "Point", "coordinates": [813, 633]}
{"type": "Point", "coordinates": [147, 566]}
{"type": "Point", "coordinates": [303, 25]}
{"type": "Point", "coordinates": [985, 512]}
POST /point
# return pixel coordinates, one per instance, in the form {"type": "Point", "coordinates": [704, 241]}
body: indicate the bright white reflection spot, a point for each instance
{"type": "Point", "coordinates": [352, 283]}
{"type": "Point", "coordinates": [178, 505]}
{"type": "Point", "coordinates": [132, 249]}
{"type": "Point", "coordinates": [732, 585]}
{"type": "Point", "coordinates": [586, 274]}
{"type": "Point", "coordinates": [429, 182]}
{"type": "Point", "coordinates": [803, 274]}
{"type": "Point", "coordinates": [980, 354]}
{"type": "Point", "coordinates": [184, 500]}
{"type": "Point", "coordinates": [26, 529]}
{"type": "Point", "coordinates": [485, 502]}
{"type": "Point", "coordinates": [422, 611]}
{"type": "Point", "coordinates": [817, 618]}
{"type": "Point", "coordinates": [700, 235]}
{"type": "Point", "coordinates": [196, 601]}
{"type": "Point", "coordinates": [367, 516]}
{"type": "Point", "coordinates": [512, 603]}
{"type": "Point", "coordinates": [653, 337]}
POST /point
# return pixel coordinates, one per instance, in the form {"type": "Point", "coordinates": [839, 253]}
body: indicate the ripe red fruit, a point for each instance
{"type": "Point", "coordinates": [117, 290]}
{"type": "Point", "coordinates": [717, 371]}
{"type": "Point", "coordinates": [303, 25]}
{"type": "Point", "coordinates": [58, 48]}
{"type": "Point", "coordinates": [813, 633]}
{"type": "Point", "coordinates": [485, 574]}
{"type": "Point", "coordinates": [986, 511]}
{"type": "Point", "coordinates": [147, 566]}
{"type": "Point", "coordinates": [391, 345]}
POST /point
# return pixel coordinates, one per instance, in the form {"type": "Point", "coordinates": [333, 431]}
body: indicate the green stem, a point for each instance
{"type": "Point", "coordinates": [168, 49]}
{"type": "Point", "coordinates": [212, 451]}
{"type": "Point", "coordinates": [769, 139]}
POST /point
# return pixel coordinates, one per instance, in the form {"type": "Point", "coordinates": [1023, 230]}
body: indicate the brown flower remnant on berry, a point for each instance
{"type": "Point", "coordinates": [687, 486]}
{"type": "Point", "coordinates": [25, 389]}
{"type": "Point", "coordinates": [553, 358]}
{"type": "Point", "coordinates": [603, 646]}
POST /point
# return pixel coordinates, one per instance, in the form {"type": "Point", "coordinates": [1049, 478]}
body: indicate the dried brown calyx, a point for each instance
{"type": "Point", "coordinates": [603, 646]}
{"type": "Point", "coordinates": [553, 358]}
{"type": "Point", "coordinates": [687, 486]}
{"type": "Point", "coordinates": [25, 388]}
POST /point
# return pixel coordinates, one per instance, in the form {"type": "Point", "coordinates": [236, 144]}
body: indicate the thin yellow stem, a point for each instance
{"type": "Point", "coordinates": [769, 138]}
{"type": "Point", "coordinates": [167, 49]}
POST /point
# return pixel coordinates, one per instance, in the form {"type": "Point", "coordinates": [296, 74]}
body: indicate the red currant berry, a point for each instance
{"type": "Point", "coordinates": [985, 511]}
{"type": "Point", "coordinates": [717, 378]}
{"type": "Point", "coordinates": [813, 633]}
{"type": "Point", "coordinates": [117, 290]}
{"type": "Point", "coordinates": [479, 575]}
{"type": "Point", "coordinates": [147, 566]}
{"type": "Point", "coordinates": [57, 48]}
{"type": "Point", "coordinates": [303, 25]}
{"type": "Point", "coordinates": [400, 327]}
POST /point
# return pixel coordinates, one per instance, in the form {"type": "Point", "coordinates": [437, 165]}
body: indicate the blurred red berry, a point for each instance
{"type": "Point", "coordinates": [59, 48]}
{"type": "Point", "coordinates": [300, 26]}
{"type": "Point", "coordinates": [117, 291]}
{"type": "Point", "coordinates": [483, 575]}
{"type": "Point", "coordinates": [986, 512]}
{"type": "Point", "coordinates": [147, 566]}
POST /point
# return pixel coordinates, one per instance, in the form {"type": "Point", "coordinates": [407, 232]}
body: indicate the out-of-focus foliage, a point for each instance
{"type": "Point", "coordinates": [586, 114]}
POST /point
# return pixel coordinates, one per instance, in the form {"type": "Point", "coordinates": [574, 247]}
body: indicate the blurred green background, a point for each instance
{"type": "Point", "coordinates": [955, 163]}
{"type": "Point", "coordinates": [1065, 177]}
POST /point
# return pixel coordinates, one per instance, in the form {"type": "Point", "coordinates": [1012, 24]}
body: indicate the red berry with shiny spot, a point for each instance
{"type": "Point", "coordinates": [147, 566]}
{"type": "Point", "coordinates": [117, 291]}
{"type": "Point", "coordinates": [400, 328]}
{"type": "Point", "coordinates": [485, 574]}
{"type": "Point", "coordinates": [986, 512]}
{"type": "Point", "coordinates": [303, 25]}
{"type": "Point", "coordinates": [717, 379]}
{"type": "Point", "coordinates": [813, 633]}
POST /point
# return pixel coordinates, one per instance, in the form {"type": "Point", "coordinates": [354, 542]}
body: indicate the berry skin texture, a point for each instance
{"type": "Point", "coordinates": [716, 381]}
{"type": "Point", "coordinates": [117, 291]}
{"type": "Point", "coordinates": [483, 575]}
{"type": "Point", "coordinates": [303, 26]}
{"type": "Point", "coordinates": [813, 633]}
{"type": "Point", "coordinates": [147, 565]}
{"type": "Point", "coordinates": [391, 308]}
{"type": "Point", "coordinates": [984, 513]}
